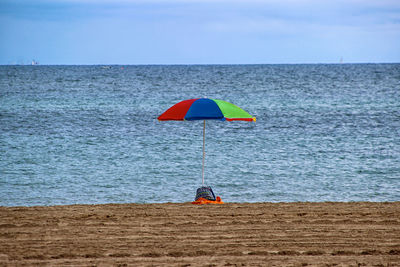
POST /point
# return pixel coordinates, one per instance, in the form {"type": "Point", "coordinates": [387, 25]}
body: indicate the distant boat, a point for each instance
{"type": "Point", "coordinates": [341, 60]}
{"type": "Point", "coordinates": [34, 63]}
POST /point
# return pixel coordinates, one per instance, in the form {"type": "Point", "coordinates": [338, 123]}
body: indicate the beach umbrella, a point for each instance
{"type": "Point", "coordinates": [205, 109]}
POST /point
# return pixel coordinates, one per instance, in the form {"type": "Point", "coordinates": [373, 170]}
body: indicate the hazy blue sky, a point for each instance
{"type": "Point", "coordinates": [199, 31]}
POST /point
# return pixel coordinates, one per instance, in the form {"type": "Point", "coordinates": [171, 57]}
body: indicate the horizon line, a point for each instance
{"type": "Point", "coordinates": [198, 64]}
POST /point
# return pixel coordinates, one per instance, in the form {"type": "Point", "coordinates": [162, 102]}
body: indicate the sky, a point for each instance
{"type": "Point", "coordinates": [199, 31]}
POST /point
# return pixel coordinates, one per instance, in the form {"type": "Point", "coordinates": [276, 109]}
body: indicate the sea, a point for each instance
{"type": "Point", "coordinates": [90, 134]}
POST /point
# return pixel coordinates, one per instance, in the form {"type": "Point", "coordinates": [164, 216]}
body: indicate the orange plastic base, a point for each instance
{"type": "Point", "coordinates": [202, 201]}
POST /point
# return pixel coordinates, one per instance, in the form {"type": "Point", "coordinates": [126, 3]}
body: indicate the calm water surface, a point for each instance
{"type": "Point", "coordinates": [89, 134]}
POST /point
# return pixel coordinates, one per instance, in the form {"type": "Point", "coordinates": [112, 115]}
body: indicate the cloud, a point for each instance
{"type": "Point", "coordinates": [198, 31]}
{"type": "Point", "coordinates": [318, 11]}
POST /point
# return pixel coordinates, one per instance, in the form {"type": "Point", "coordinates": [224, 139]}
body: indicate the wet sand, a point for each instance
{"type": "Point", "coordinates": [257, 234]}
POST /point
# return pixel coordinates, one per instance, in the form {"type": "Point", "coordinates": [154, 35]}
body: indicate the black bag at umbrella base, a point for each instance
{"type": "Point", "coordinates": [205, 192]}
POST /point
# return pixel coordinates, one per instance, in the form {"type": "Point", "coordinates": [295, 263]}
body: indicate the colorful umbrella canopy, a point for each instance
{"type": "Point", "coordinates": [205, 109]}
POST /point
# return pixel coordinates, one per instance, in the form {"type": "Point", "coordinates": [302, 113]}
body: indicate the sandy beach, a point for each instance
{"type": "Point", "coordinates": [234, 234]}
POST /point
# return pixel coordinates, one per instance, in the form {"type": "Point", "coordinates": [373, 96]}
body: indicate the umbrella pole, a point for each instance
{"type": "Point", "coordinates": [204, 151]}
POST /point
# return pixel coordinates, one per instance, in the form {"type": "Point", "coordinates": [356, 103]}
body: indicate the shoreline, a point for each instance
{"type": "Point", "coordinates": [190, 202]}
{"type": "Point", "coordinates": [176, 234]}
